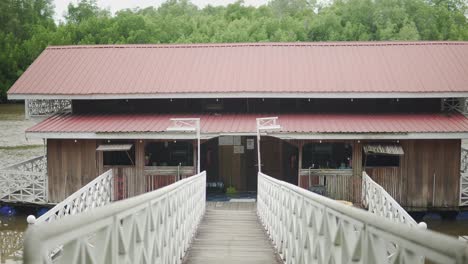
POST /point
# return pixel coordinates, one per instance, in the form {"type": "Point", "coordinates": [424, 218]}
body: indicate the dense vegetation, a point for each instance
{"type": "Point", "coordinates": [27, 26]}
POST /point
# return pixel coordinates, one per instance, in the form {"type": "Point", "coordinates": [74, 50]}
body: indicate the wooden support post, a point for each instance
{"type": "Point", "coordinates": [26, 109]}
{"type": "Point", "coordinates": [357, 171]}
{"type": "Point", "coordinates": [195, 158]}
{"type": "Point", "coordinates": [140, 165]}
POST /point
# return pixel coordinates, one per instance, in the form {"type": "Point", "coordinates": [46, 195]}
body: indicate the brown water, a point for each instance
{"type": "Point", "coordinates": [454, 228]}
{"type": "Point", "coordinates": [14, 148]}
{"type": "Point", "coordinates": [11, 238]}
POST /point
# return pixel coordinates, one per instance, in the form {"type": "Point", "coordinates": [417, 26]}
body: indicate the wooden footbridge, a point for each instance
{"type": "Point", "coordinates": [230, 233]}
{"type": "Point", "coordinates": [286, 224]}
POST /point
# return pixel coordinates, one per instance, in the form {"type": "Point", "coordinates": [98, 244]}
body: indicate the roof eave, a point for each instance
{"type": "Point", "coordinates": [281, 135]}
{"type": "Point", "coordinates": [337, 95]}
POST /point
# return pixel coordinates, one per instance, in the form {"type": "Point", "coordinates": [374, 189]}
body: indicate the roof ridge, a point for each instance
{"type": "Point", "coordinates": [266, 44]}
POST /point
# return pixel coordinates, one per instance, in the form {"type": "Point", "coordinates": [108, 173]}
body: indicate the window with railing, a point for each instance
{"type": "Point", "coordinates": [169, 153]}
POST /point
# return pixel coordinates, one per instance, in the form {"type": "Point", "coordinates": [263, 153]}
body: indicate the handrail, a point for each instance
{"type": "Point", "coordinates": [309, 228]}
{"type": "Point", "coordinates": [37, 164]}
{"type": "Point", "coordinates": [154, 227]}
{"type": "Point", "coordinates": [96, 193]}
{"type": "Point", "coordinates": [378, 201]}
{"type": "Point", "coordinates": [25, 181]}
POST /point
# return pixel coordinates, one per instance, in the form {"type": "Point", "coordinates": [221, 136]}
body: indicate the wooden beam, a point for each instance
{"type": "Point", "coordinates": [300, 146]}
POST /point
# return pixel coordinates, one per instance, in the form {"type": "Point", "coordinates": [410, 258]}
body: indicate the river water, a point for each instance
{"type": "Point", "coordinates": [15, 148]}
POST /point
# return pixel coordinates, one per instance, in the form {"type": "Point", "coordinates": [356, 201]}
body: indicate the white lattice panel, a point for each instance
{"type": "Point", "coordinates": [42, 107]}
{"type": "Point", "coordinates": [380, 202]}
{"type": "Point", "coordinates": [155, 227]}
{"type": "Point", "coordinates": [25, 181]}
{"type": "Point", "coordinates": [95, 194]}
{"type": "Point", "coordinates": [464, 160]}
{"type": "Point", "coordinates": [309, 228]}
{"type": "Point", "coordinates": [464, 189]}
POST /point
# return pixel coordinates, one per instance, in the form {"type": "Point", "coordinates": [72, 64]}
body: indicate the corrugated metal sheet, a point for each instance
{"type": "Point", "coordinates": [362, 67]}
{"type": "Point", "coordinates": [238, 123]}
{"type": "Point", "coordinates": [114, 147]}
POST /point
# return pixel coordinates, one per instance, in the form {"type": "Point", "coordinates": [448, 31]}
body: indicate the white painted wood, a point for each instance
{"type": "Point", "coordinates": [45, 107]}
{"type": "Point", "coordinates": [464, 189]}
{"type": "Point", "coordinates": [25, 182]}
{"type": "Point", "coordinates": [26, 109]}
{"type": "Point", "coordinates": [378, 201]}
{"type": "Point", "coordinates": [305, 95]}
{"type": "Point", "coordinates": [154, 227]}
{"type": "Point", "coordinates": [95, 194]}
{"type": "Point", "coordinates": [464, 160]}
{"type": "Point", "coordinates": [309, 228]}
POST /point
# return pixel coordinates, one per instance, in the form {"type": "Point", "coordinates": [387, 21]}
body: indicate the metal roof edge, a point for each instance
{"type": "Point", "coordinates": [317, 95]}
{"type": "Point", "coordinates": [285, 136]}
{"type": "Point", "coordinates": [263, 44]}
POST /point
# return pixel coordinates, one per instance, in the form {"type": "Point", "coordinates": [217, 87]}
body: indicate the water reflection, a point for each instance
{"type": "Point", "coordinates": [456, 227]}
{"type": "Point", "coordinates": [11, 238]}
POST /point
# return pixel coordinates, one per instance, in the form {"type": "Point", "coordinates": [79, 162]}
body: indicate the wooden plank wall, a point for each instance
{"type": "Point", "coordinates": [390, 179]}
{"type": "Point", "coordinates": [70, 165]}
{"type": "Point", "coordinates": [412, 183]}
{"type": "Point", "coordinates": [428, 176]}
{"type": "Point", "coordinates": [430, 173]}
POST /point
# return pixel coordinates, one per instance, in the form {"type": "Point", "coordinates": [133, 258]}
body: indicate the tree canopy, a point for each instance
{"type": "Point", "coordinates": [28, 26]}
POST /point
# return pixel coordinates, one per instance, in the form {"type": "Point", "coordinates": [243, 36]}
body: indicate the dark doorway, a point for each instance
{"type": "Point", "coordinates": [250, 163]}
{"type": "Point", "coordinates": [279, 159]}
{"type": "Point", "coordinates": [209, 160]}
{"type": "Point", "coordinates": [290, 163]}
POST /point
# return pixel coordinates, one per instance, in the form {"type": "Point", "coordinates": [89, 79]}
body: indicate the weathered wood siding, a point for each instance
{"type": "Point", "coordinates": [430, 172]}
{"type": "Point", "coordinates": [428, 175]}
{"type": "Point", "coordinates": [70, 165]}
{"type": "Point", "coordinates": [390, 179]}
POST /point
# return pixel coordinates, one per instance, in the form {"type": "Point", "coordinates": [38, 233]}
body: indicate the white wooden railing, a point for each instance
{"type": "Point", "coordinates": [464, 160]}
{"type": "Point", "coordinates": [154, 227]}
{"type": "Point", "coordinates": [464, 189]}
{"type": "Point", "coordinates": [96, 193]}
{"type": "Point", "coordinates": [380, 202]}
{"type": "Point", "coordinates": [464, 177]}
{"type": "Point", "coordinates": [309, 228]}
{"type": "Point", "coordinates": [25, 181]}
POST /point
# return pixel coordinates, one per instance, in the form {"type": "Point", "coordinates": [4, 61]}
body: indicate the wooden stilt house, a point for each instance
{"type": "Point", "coordinates": [392, 109]}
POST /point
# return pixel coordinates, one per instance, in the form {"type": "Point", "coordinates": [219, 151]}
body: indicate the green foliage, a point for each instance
{"type": "Point", "coordinates": [28, 26]}
{"type": "Point", "coordinates": [231, 190]}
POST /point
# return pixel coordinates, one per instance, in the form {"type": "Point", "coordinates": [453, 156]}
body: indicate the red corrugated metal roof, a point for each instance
{"type": "Point", "coordinates": [245, 123]}
{"type": "Point", "coordinates": [343, 67]}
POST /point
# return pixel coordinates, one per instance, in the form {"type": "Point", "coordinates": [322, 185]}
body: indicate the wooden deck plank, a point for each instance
{"type": "Point", "coordinates": [231, 233]}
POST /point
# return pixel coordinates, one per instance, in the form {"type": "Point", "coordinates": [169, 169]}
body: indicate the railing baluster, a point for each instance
{"type": "Point", "coordinates": [18, 182]}
{"type": "Point", "coordinates": [335, 233]}
{"type": "Point", "coordinates": [156, 226]}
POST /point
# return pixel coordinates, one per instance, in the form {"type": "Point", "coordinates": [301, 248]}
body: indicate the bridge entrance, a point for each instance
{"type": "Point", "coordinates": [232, 161]}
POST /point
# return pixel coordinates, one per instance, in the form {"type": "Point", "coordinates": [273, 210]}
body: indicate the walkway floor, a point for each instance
{"type": "Point", "coordinates": [230, 233]}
